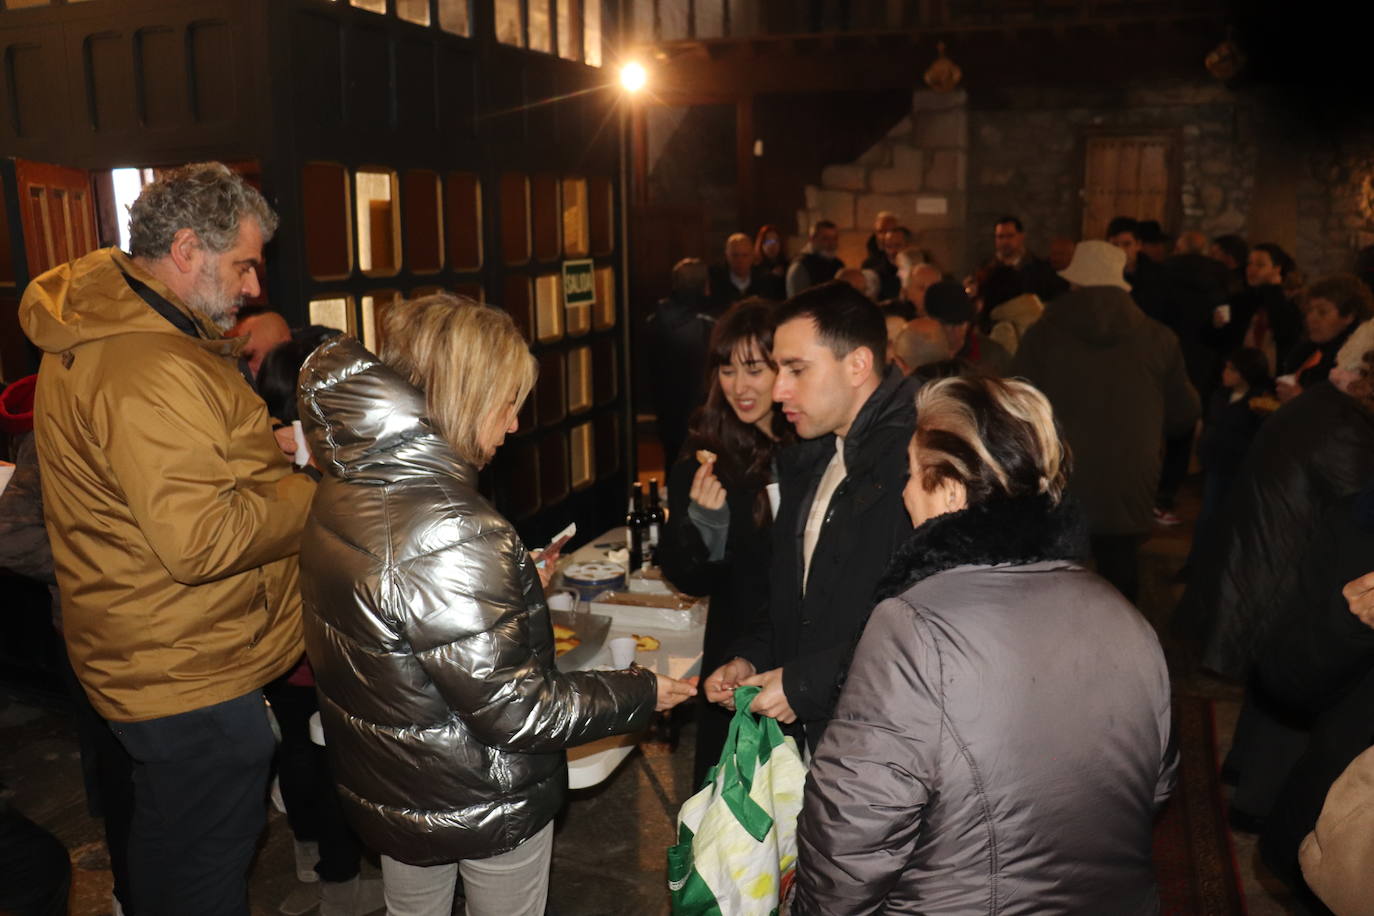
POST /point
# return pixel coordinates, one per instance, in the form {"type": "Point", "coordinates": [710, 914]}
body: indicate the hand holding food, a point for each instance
{"type": "Point", "coordinates": [706, 489]}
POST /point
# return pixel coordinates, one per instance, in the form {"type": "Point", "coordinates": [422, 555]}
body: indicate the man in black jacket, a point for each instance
{"type": "Point", "coordinates": [840, 516]}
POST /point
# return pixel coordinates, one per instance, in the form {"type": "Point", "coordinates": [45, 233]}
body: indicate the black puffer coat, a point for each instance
{"type": "Point", "coordinates": [1003, 739]}
{"type": "Point", "coordinates": [426, 625]}
{"type": "Point", "coordinates": [1315, 451]}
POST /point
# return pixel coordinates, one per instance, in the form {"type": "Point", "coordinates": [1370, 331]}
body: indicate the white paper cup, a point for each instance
{"type": "Point", "coordinates": [623, 651]}
{"type": "Point", "coordinates": [1223, 313]}
{"type": "Point", "coordinates": [562, 601]}
{"type": "Point", "coordinates": [302, 450]}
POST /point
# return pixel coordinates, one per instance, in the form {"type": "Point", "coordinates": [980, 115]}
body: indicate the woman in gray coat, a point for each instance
{"type": "Point", "coordinates": [1002, 742]}
{"type": "Point", "coordinates": [444, 717]}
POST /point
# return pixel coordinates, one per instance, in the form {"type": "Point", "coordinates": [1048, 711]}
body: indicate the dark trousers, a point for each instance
{"type": "Point", "coordinates": [1117, 557]}
{"type": "Point", "coordinates": [307, 786]}
{"type": "Point", "coordinates": [1178, 452]}
{"type": "Point", "coordinates": [200, 804]}
{"type": "Point", "coordinates": [35, 872]}
{"type": "Point", "coordinates": [107, 770]}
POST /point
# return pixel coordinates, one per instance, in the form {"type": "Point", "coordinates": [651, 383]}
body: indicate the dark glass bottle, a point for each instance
{"type": "Point", "coordinates": [634, 527]}
{"type": "Point", "coordinates": [655, 519]}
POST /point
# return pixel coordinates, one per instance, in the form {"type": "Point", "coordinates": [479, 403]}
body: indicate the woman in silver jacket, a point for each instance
{"type": "Point", "coordinates": [1002, 742]}
{"type": "Point", "coordinates": [444, 717]}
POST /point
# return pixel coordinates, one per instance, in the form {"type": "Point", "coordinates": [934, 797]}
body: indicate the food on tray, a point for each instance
{"type": "Point", "coordinates": [646, 643]}
{"type": "Point", "coordinates": [564, 646]}
{"type": "Point", "coordinates": [648, 599]}
{"type": "Point", "coordinates": [1264, 404]}
{"type": "Point", "coordinates": [562, 632]}
{"type": "Point", "coordinates": [705, 456]}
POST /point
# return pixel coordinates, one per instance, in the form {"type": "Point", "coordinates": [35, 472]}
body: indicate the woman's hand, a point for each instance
{"type": "Point", "coordinates": [771, 701]}
{"type": "Point", "coordinates": [706, 489]}
{"type": "Point", "coordinates": [286, 440]}
{"type": "Point", "coordinates": [720, 686]}
{"type": "Point", "coordinates": [1359, 594]}
{"type": "Point", "coordinates": [1287, 390]}
{"type": "Point", "coordinates": [546, 564]}
{"type": "Point", "coordinates": [671, 691]}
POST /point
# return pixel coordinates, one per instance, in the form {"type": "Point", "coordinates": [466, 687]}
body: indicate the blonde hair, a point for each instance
{"type": "Point", "coordinates": [469, 359]}
{"type": "Point", "coordinates": [996, 437]}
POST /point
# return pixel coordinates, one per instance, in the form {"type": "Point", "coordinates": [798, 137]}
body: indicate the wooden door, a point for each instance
{"type": "Point", "coordinates": [1127, 176]}
{"type": "Point", "coordinates": [57, 212]}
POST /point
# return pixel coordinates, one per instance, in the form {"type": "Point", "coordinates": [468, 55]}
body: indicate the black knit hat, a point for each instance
{"type": "Point", "coordinates": [947, 303]}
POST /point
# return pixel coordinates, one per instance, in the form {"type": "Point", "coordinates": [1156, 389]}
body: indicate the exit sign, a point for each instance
{"type": "Point", "coordinates": [578, 288]}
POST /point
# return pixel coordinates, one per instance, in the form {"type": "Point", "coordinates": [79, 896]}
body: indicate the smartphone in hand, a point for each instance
{"type": "Point", "coordinates": [557, 543]}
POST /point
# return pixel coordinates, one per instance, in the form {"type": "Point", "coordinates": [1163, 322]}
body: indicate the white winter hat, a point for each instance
{"type": "Point", "coordinates": [1097, 264]}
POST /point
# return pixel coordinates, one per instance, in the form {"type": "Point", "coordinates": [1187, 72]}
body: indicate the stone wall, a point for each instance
{"type": "Point", "coordinates": [1027, 156]}
{"type": "Point", "coordinates": [1335, 204]}
{"type": "Point", "coordinates": [918, 171]}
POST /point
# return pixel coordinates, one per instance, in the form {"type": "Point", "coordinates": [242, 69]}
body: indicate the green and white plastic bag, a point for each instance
{"type": "Point", "coordinates": [737, 837]}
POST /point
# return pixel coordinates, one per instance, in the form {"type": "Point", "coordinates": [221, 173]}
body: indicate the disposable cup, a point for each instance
{"type": "Point", "coordinates": [623, 651]}
{"type": "Point", "coordinates": [562, 601]}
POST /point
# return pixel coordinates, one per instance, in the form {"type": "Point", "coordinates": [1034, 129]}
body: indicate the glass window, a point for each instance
{"type": "Point", "coordinates": [416, 11]}
{"type": "Point", "coordinates": [517, 300]}
{"type": "Point", "coordinates": [372, 307]}
{"type": "Point", "coordinates": [579, 379]}
{"type": "Point", "coordinates": [463, 220]}
{"type": "Point", "coordinates": [372, 6]}
{"type": "Point", "coordinates": [605, 373]}
{"type": "Point", "coordinates": [600, 211]}
{"type": "Point", "coordinates": [570, 29]}
{"type": "Point", "coordinates": [551, 394]}
{"type": "Point", "coordinates": [510, 23]}
{"type": "Point", "coordinates": [328, 239]}
{"type": "Point", "coordinates": [544, 210]}
{"type": "Point", "coordinates": [521, 461]}
{"type": "Point", "coordinates": [473, 291]}
{"type": "Point", "coordinates": [591, 32]}
{"type": "Point", "coordinates": [603, 316]}
{"type": "Point", "coordinates": [580, 444]}
{"type": "Point", "coordinates": [608, 443]}
{"type": "Point", "coordinates": [379, 224]}
{"type": "Point", "coordinates": [424, 237]}
{"type": "Point", "coordinates": [553, 468]}
{"type": "Point", "coordinates": [541, 27]}
{"type": "Point", "coordinates": [548, 298]}
{"type": "Point", "coordinates": [575, 230]}
{"type": "Point", "coordinates": [515, 218]}
{"type": "Point", "coordinates": [333, 312]}
{"type": "Point", "coordinates": [455, 17]}
{"type": "Point", "coordinates": [418, 291]}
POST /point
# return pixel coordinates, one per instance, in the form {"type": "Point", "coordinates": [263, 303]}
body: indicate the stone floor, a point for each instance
{"type": "Point", "coordinates": [610, 842]}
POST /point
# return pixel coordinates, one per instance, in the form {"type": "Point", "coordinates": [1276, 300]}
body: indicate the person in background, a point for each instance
{"type": "Point", "coordinates": [1232, 252]}
{"type": "Point", "coordinates": [1009, 249]}
{"type": "Point", "coordinates": [175, 523]}
{"type": "Point", "coordinates": [676, 344]}
{"type": "Point", "coordinates": [993, 667]}
{"type": "Point", "coordinates": [839, 515]}
{"type": "Point", "coordinates": [1061, 252]}
{"type": "Point", "coordinates": [1148, 282]}
{"type": "Point", "coordinates": [1117, 382]}
{"type": "Point", "coordinates": [884, 264]}
{"type": "Point", "coordinates": [1311, 453]}
{"type": "Point", "coordinates": [884, 221]}
{"type": "Point", "coordinates": [770, 256]}
{"type": "Point", "coordinates": [948, 304]}
{"type": "Point", "coordinates": [264, 329]}
{"type": "Point", "coordinates": [1334, 307]}
{"type": "Point", "coordinates": [922, 342]}
{"type": "Point", "coordinates": [425, 616]}
{"type": "Point", "coordinates": [817, 262]}
{"type": "Point", "coordinates": [1154, 243]}
{"type": "Point", "coordinates": [717, 541]}
{"type": "Point", "coordinates": [1233, 418]}
{"type": "Point", "coordinates": [862, 281]}
{"type": "Point", "coordinates": [921, 278]}
{"type": "Point", "coordinates": [1008, 310]}
{"type": "Point", "coordinates": [1262, 316]}
{"type": "Point", "coordinates": [896, 313]}
{"type": "Point", "coordinates": [739, 277]}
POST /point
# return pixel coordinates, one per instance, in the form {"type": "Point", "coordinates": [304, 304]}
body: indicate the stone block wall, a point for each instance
{"type": "Point", "coordinates": [1335, 204]}
{"type": "Point", "coordinates": [918, 171]}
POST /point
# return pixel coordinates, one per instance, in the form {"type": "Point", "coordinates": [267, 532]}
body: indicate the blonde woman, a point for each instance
{"type": "Point", "coordinates": [1001, 744]}
{"type": "Point", "coordinates": [444, 717]}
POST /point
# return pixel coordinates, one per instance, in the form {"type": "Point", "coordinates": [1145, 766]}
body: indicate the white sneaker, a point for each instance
{"type": "Point", "coordinates": [307, 855]}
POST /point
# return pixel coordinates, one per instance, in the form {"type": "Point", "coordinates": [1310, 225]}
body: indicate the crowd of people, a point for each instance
{"type": "Point", "coordinates": [916, 502]}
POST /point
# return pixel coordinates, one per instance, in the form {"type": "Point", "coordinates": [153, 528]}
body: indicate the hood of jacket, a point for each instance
{"type": "Point", "coordinates": [89, 299]}
{"type": "Point", "coordinates": [1102, 316]}
{"type": "Point", "coordinates": [365, 422]}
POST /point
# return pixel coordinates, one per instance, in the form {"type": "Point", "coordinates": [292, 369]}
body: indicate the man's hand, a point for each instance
{"type": "Point", "coordinates": [771, 701]}
{"type": "Point", "coordinates": [720, 686]}
{"type": "Point", "coordinates": [1359, 594]}
{"type": "Point", "coordinates": [706, 489]}
{"type": "Point", "coordinates": [671, 691]}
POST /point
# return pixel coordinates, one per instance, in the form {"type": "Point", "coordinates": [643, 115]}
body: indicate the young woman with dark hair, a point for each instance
{"type": "Point", "coordinates": [716, 540]}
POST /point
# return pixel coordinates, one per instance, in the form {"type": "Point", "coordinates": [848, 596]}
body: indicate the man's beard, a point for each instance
{"type": "Point", "coordinates": [210, 300]}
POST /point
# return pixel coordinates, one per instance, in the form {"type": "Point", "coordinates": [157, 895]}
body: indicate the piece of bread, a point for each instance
{"type": "Point", "coordinates": [705, 456]}
{"type": "Point", "coordinates": [562, 632]}
{"type": "Point", "coordinates": [646, 643]}
{"type": "Point", "coordinates": [564, 646]}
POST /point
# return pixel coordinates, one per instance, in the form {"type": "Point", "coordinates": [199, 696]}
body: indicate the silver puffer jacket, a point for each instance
{"type": "Point", "coordinates": [444, 717]}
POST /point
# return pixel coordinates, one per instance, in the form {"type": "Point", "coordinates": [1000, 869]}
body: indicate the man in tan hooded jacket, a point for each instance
{"type": "Point", "coordinates": [175, 522]}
